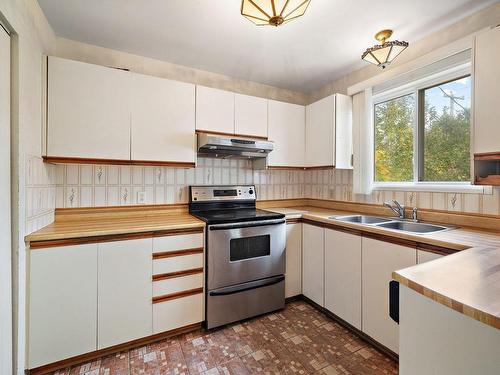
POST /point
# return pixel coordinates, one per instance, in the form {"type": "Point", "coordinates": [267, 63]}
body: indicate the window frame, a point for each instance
{"type": "Point", "coordinates": [417, 89]}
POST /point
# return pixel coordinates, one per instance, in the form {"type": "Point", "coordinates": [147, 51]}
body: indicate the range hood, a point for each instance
{"type": "Point", "coordinates": [221, 146]}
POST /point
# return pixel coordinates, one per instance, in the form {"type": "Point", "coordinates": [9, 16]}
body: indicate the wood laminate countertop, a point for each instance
{"type": "Point", "coordinates": [467, 281]}
{"type": "Point", "coordinates": [108, 225]}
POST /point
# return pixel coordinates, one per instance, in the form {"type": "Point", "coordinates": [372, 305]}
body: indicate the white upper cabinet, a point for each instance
{"type": "Point", "coordinates": [329, 132]}
{"type": "Point", "coordinates": [487, 92]}
{"type": "Point", "coordinates": [343, 131]}
{"type": "Point", "coordinates": [250, 115]}
{"type": "Point", "coordinates": [163, 120]}
{"type": "Point", "coordinates": [88, 111]}
{"type": "Point", "coordinates": [214, 110]}
{"type": "Point", "coordinates": [287, 130]}
{"type": "Point", "coordinates": [320, 132]}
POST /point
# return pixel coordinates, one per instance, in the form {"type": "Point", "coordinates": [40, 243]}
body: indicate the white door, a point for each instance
{"type": "Point", "coordinates": [62, 303]}
{"type": "Point", "coordinates": [5, 206]}
{"type": "Point", "coordinates": [486, 93]}
{"type": "Point", "coordinates": [320, 133]}
{"type": "Point", "coordinates": [250, 115]}
{"type": "Point", "coordinates": [88, 111]}
{"type": "Point", "coordinates": [293, 272]}
{"type": "Point", "coordinates": [163, 120]}
{"type": "Point", "coordinates": [313, 262]}
{"type": "Point", "coordinates": [214, 110]}
{"type": "Point", "coordinates": [125, 291]}
{"type": "Point", "coordinates": [343, 131]}
{"type": "Point", "coordinates": [286, 128]}
{"type": "Point", "coordinates": [379, 260]}
{"type": "Point", "coordinates": [343, 275]}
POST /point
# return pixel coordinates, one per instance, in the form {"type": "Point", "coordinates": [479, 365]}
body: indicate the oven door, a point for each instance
{"type": "Point", "coordinates": [243, 252]}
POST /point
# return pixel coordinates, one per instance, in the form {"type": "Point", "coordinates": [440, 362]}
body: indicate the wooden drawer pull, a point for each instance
{"type": "Point", "coordinates": [177, 253]}
{"type": "Point", "coordinates": [172, 275]}
{"type": "Point", "coordinates": [184, 293]}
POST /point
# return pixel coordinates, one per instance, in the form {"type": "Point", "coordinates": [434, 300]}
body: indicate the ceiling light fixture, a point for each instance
{"type": "Point", "coordinates": [273, 12]}
{"type": "Point", "coordinates": [384, 53]}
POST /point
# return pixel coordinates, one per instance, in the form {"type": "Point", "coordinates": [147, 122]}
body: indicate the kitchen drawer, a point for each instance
{"type": "Point", "coordinates": [177, 313]}
{"type": "Point", "coordinates": [178, 242]}
{"type": "Point", "coordinates": [177, 263]}
{"type": "Point", "coordinates": [177, 284]}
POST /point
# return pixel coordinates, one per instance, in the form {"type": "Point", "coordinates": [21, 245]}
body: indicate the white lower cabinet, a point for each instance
{"type": "Point", "coordinates": [379, 260]}
{"type": "Point", "coordinates": [293, 273]}
{"type": "Point", "coordinates": [343, 275]}
{"type": "Point", "coordinates": [124, 291]}
{"type": "Point", "coordinates": [62, 303]}
{"type": "Point", "coordinates": [426, 256]}
{"type": "Point", "coordinates": [313, 259]}
{"type": "Point", "coordinates": [177, 313]}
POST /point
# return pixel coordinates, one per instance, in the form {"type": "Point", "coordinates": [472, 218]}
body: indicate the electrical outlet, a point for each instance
{"type": "Point", "coordinates": [141, 197]}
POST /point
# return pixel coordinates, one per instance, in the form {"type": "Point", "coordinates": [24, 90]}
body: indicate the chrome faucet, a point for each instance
{"type": "Point", "coordinates": [398, 208]}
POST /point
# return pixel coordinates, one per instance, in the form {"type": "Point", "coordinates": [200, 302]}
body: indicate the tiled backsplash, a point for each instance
{"type": "Point", "coordinates": [337, 185]}
{"type": "Point", "coordinates": [49, 186]}
{"type": "Point", "coordinates": [40, 193]}
{"type": "Point", "coordinates": [101, 185]}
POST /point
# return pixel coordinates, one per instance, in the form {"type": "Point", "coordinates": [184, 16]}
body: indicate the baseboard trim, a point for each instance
{"type": "Point", "coordinates": [353, 329]}
{"type": "Point", "coordinates": [51, 367]}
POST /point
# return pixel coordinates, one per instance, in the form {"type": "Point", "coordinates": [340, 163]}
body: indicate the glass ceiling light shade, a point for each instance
{"type": "Point", "coordinates": [273, 12]}
{"type": "Point", "coordinates": [384, 53]}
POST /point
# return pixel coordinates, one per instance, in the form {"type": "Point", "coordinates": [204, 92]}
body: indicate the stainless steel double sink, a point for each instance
{"type": "Point", "coordinates": [394, 224]}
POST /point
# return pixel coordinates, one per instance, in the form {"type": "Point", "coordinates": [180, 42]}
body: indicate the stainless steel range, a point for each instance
{"type": "Point", "coordinates": [245, 253]}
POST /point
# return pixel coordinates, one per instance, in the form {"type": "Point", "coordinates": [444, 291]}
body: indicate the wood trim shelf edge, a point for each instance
{"type": "Point", "coordinates": [172, 296]}
{"type": "Point", "coordinates": [173, 275]}
{"type": "Point", "coordinates": [177, 253]}
{"type": "Point", "coordinates": [76, 160]}
{"type": "Point", "coordinates": [487, 156]}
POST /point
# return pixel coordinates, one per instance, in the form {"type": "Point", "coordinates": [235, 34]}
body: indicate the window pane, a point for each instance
{"type": "Point", "coordinates": [447, 131]}
{"type": "Point", "coordinates": [394, 139]}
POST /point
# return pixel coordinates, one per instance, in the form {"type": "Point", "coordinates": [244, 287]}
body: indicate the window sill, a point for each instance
{"type": "Point", "coordinates": [434, 188]}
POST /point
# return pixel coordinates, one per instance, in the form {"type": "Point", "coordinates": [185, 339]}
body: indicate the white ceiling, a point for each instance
{"type": "Point", "coordinates": [303, 55]}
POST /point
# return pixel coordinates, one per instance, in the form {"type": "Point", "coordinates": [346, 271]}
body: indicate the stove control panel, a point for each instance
{"type": "Point", "coordinates": [221, 193]}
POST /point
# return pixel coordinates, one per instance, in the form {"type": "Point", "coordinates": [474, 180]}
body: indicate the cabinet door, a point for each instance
{"type": "Point", "coordinates": [62, 303]}
{"type": "Point", "coordinates": [250, 115]}
{"type": "Point", "coordinates": [163, 120]}
{"type": "Point", "coordinates": [343, 275]}
{"type": "Point", "coordinates": [88, 111]}
{"type": "Point", "coordinates": [426, 256]}
{"type": "Point", "coordinates": [313, 263]}
{"type": "Point", "coordinates": [293, 273]}
{"type": "Point", "coordinates": [343, 131]}
{"type": "Point", "coordinates": [486, 108]}
{"type": "Point", "coordinates": [379, 260]}
{"type": "Point", "coordinates": [320, 133]}
{"type": "Point", "coordinates": [287, 131]}
{"type": "Point", "coordinates": [125, 291]}
{"type": "Point", "coordinates": [214, 110]}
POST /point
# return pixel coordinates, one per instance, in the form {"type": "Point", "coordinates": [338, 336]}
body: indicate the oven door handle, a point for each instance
{"type": "Point", "coordinates": [250, 224]}
{"type": "Point", "coordinates": [247, 286]}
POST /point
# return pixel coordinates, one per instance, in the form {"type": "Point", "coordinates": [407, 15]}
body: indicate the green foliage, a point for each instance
{"type": "Point", "coordinates": [394, 140]}
{"type": "Point", "coordinates": [446, 142]}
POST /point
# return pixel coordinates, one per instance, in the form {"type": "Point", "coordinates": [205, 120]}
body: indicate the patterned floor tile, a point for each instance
{"type": "Point", "coordinates": [297, 340]}
{"type": "Point", "coordinates": [369, 361]}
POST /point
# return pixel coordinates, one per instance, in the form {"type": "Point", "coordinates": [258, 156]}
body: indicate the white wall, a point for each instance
{"type": "Point", "coordinates": [32, 36]}
{"type": "Point", "coordinates": [467, 26]}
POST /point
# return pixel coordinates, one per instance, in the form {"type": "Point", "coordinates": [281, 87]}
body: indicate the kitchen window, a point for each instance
{"type": "Point", "coordinates": [422, 133]}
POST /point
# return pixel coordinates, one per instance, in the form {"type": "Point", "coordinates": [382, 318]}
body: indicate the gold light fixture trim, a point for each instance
{"type": "Point", "coordinates": [384, 53]}
{"type": "Point", "coordinates": [273, 12]}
